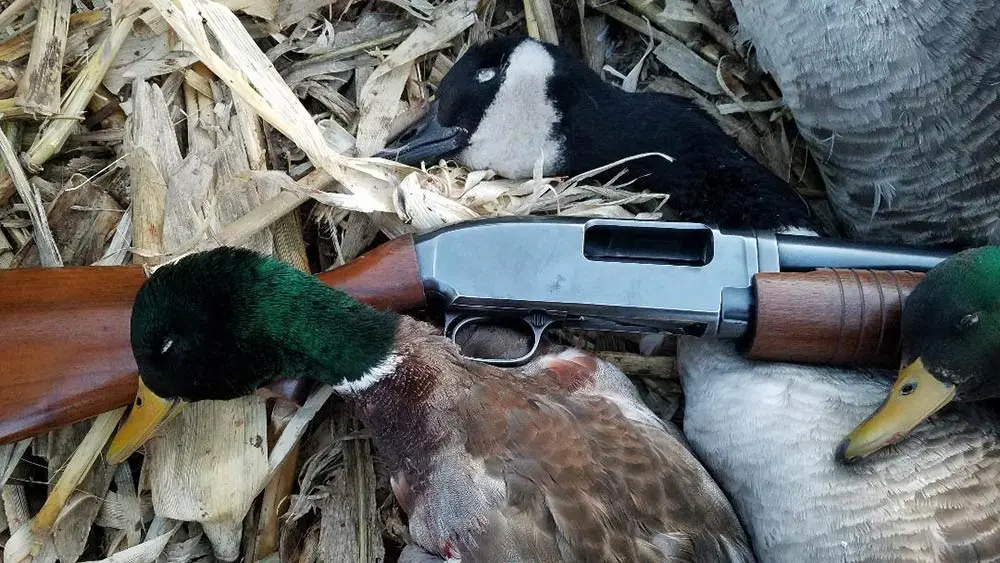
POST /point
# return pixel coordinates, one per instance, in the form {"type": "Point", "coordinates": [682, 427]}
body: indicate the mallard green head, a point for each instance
{"type": "Point", "coordinates": [223, 323]}
{"type": "Point", "coordinates": [950, 344]}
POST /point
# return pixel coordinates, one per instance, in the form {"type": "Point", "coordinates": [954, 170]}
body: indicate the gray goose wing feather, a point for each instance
{"type": "Point", "coordinates": [899, 105]}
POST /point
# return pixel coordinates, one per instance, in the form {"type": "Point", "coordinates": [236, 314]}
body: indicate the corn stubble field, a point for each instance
{"type": "Point", "coordinates": [137, 132]}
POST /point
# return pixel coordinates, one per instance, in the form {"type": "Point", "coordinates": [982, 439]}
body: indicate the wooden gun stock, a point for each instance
{"type": "Point", "coordinates": [831, 316]}
{"type": "Point", "coordinates": [64, 334]}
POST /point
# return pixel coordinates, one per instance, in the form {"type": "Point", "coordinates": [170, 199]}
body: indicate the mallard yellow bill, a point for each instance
{"type": "Point", "coordinates": [148, 413]}
{"type": "Point", "coordinates": [915, 396]}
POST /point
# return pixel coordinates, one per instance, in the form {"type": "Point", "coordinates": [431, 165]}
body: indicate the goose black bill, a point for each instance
{"type": "Point", "coordinates": [427, 140]}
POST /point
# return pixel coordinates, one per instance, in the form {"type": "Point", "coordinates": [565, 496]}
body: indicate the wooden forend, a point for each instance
{"type": "Point", "coordinates": [830, 316]}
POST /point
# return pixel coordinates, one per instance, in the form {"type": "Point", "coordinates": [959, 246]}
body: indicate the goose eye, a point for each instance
{"type": "Point", "coordinates": [486, 74]}
{"type": "Point", "coordinates": [167, 343]}
{"type": "Point", "coordinates": [968, 321]}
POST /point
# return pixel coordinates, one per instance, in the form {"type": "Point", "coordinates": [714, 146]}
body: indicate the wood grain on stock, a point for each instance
{"type": "Point", "coordinates": [836, 317]}
{"type": "Point", "coordinates": [64, 345]}
{"type": "Point", "coordinates": [385, 277]}
{"type": "Point", "coordinates": [64, 334]}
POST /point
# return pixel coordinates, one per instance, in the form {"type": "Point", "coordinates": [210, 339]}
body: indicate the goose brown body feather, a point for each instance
{"type": "Point", "coordinates": [556, 461]}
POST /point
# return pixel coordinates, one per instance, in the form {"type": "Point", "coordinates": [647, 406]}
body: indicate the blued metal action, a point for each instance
{"type": "Point", "coordinates": [622, 275]}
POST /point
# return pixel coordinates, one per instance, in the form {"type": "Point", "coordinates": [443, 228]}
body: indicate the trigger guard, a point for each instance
{"type": "Point", "coordinates": [451, 328]}
{"type": "Point", "coordinates": [536, 324]}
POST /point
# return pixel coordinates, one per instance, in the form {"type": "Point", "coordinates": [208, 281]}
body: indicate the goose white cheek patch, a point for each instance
{"type": "Point", "coordinates": [517, 128]}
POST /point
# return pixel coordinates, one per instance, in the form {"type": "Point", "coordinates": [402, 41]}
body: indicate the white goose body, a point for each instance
{"type": "Point", "coordinates": [768, 432]}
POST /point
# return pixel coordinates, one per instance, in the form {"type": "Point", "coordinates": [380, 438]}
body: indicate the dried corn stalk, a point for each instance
{"type": "Point", "coordinates": [379, 98]}
{"type": "Point", "coordinates": [38, 90]}
{"type": "Point", "coordinates": [268, 130]}
{"type": "Point", "coordinates": [184, 481]}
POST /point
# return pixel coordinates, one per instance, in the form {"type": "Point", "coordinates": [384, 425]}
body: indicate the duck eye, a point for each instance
{"type": "Point", "coordinates": [167, 343]}
{"type": "Point", "coordinates": [907, 388]}
{"type": "Point", "coordinates": [486, 74]}
{"type": "Point", "coordinates": [968, 321]}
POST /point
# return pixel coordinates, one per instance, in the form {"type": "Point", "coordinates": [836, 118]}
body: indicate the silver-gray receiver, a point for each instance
{"type": "Point", "coordinates": [621, 275]}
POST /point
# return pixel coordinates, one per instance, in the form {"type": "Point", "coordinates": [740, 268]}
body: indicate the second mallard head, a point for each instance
{"type": "Point", "coordinates": [950, 342]}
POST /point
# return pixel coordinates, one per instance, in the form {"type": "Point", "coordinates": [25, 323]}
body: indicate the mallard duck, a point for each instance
{"type": "Point", "coordinates": [556, 461]}
{"type": "Point", "coordinates": [511, 101]}
{"type": "Point", "coordinates": [950, 344]}
{"type": "Point", "coordinates": [897, 101]}
{"type": "Point", "coordinates": [768, 433]}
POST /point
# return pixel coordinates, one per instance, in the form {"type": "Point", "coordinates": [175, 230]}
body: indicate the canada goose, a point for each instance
{"type": "Point", "coordinates": [508, 102]}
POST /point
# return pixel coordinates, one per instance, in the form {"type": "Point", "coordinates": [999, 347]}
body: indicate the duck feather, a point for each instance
{"type": "Point", "coordinates": [557, 461]}
{"type": "Point", "coordinates": [897, 101]}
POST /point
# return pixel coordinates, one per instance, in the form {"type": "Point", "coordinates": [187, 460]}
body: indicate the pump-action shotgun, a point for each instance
{"type": "Point", "coordinates": [64, 332]}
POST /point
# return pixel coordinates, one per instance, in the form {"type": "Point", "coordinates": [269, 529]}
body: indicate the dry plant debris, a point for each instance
{"type": "Point", "coordinates": [138, 131]}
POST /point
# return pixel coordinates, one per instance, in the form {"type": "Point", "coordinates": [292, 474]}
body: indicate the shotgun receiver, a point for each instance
{"type": "Point", "coordinates": [65, 352]}
{"type": "Point", "coordinates": [783, 297]}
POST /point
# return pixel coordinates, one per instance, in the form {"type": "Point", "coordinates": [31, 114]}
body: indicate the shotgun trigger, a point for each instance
{"type": "Point", "coordinates": [501, 340]}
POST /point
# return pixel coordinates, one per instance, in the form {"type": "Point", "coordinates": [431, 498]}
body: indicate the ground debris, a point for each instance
{"type": "Point", "coordinates": [138, 131]}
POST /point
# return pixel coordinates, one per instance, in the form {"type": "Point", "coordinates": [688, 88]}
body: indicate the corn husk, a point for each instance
{"type": "Point", "coordinates": [162, 127]}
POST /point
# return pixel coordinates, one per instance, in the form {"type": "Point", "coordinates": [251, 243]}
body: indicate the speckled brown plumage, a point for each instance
{"type": "Point", "coordinates": [556, 461]}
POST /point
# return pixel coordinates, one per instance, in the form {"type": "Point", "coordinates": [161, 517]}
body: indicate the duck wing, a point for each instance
{"type": "Point", "coordinates": [590, 474]}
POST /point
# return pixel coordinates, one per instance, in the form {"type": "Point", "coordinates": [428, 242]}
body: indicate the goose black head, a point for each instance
{"type": "Point", "coordinates": [493, 110]}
